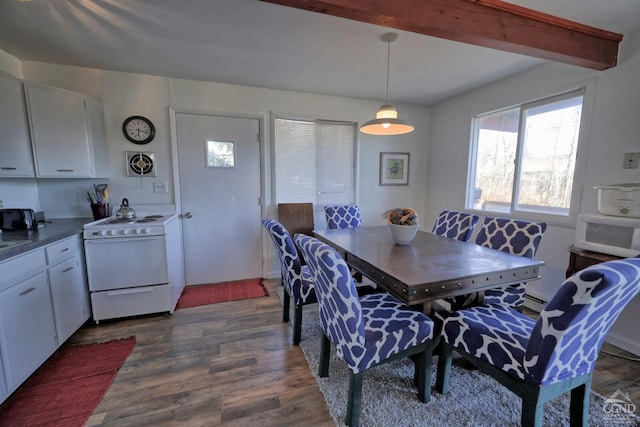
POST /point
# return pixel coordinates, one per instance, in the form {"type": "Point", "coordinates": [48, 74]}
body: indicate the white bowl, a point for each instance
{"type": "Point", "coordinates": [403, 234]}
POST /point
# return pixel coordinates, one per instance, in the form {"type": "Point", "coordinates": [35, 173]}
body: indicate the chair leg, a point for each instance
{"type": "Point", "coordinates": [423, 375]}
{"type": "Point", "coordinates": [286, 303]}
{"type": "Point", "coordinates": [297, 324]}
{"type": "Point", "coordinates": [531, 413]}
{"type": "Point", "coordinates": [579, 407]}
{"type": "Point", "coordinates": [445, 355]}
{"type": "Point", "coordinates": [354, 403]}
{"type": "Point", "coordinates": [325, 352]}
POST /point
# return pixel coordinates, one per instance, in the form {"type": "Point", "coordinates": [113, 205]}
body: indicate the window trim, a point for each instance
{"type": "Point", "coordinates": [588, 89]}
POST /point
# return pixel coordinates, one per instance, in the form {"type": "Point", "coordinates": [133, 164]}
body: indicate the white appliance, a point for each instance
{"type": "Point", "coordinates": [608, 234]}
{"type": "Point", "coordinates": [619, 199]}
{"type": "Point", "coordinates": [134, 266]}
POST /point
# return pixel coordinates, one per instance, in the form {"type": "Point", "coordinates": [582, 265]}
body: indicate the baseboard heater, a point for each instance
{"type": "Point", "coordinates": [534, 303]}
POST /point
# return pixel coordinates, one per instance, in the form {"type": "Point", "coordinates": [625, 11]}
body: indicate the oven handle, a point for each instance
{"type": "Point", "coordinates": [129, 291]}
{"type": "Point", "coordinates": [120, 239]}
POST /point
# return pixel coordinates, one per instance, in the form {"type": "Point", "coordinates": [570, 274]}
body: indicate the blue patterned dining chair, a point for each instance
{"type": "Point", "coordinates": [514, 237]}
{"type": "Point", "coordinates": [455, 225]}
{"type": "Point", "coordinates": [296, 278]}
{"type": "Point", "coordinates": [342, 216]}
{"type": "Point", "coordinates": [365, 331]}
{"type": "Point", "coordinates": [541, 359]}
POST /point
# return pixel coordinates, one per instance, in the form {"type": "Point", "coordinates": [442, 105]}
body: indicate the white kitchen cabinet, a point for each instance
{"type": "Point", "coordinates": [4, 391]}
{"type": "Point", "coordinates": [67, 130]}
{"type": "Point", "coordinates": [28, 332]}
{"type": "Point", "coordinates": [15, 144]}
{"type": "Point", "coordinates": [69, 291]}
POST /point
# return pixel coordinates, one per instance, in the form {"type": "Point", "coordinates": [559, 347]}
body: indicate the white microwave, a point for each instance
{"type": "Point", "coordinates": [611, 235]}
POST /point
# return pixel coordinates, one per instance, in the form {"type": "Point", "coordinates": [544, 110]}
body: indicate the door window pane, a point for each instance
{"type": "Point", "coordinates": [221, 154]}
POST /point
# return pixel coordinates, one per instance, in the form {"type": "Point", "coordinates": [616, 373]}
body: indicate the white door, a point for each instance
{"type": "Point", "coordinates": [219, 169]}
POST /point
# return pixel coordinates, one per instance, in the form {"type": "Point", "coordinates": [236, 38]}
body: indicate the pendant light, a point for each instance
{"type": "Point", "coordinates": [387, 121]}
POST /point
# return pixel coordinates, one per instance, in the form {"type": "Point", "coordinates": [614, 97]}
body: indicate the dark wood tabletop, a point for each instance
{"type": "Point", "coordinates": [430, 267]}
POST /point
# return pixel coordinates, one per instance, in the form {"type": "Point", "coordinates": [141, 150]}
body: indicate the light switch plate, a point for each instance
{"type": "Point", "coordinates": [631, 160]}
{"type": "Point", "coordinates": [160, 187]}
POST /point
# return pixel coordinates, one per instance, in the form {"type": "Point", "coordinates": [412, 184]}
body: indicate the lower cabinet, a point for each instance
{"type": "Point", "coordinates": [70, 297]}
{"type": "Point", "coordinates": [44, 299]}
{"type": "Point", "coordinates": [28, 331]}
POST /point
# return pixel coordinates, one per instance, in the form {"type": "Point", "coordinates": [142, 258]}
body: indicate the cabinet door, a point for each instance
{"type": "Point", "coordinates": [15, 144]}
{"type": "Point", "coordinates": [60, 134]}
{"type": "Point", "coordinates": [26, 319]}
{"type": "Point", "coordinates": [97, 137]}
{"type": "Point", "coordinates": [4, 392]}
{"type": "Point", "coordinates": [70, 296]}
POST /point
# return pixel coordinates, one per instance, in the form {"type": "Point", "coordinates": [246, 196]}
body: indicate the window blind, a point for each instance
{"type": "Point", "coordinates": [314, 161]}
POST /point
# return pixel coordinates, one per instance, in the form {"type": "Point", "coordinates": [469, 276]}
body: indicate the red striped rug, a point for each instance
{"type": "Point", "coordinates": [68, 387]}
{"type": "Point", "coordinates": [193, 296]}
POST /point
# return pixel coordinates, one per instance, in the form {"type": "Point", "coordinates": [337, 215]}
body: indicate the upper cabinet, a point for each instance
{"type": "Point", "coordinates": [67, 130]}
{"type": "Point", "coordinates": [15, 144]}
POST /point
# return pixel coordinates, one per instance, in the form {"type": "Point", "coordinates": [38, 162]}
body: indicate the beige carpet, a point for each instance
{"type": "Point", "coordinates": [389, 398]}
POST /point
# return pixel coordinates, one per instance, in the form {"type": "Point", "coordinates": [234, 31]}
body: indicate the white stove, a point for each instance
{"type": "Point", "coordinates": [134, 266]}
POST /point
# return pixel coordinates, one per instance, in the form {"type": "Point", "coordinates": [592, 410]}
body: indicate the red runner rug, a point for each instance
{"type": "Point", "coordinates": [68, 387]}
{"type": "Point", "coordinates": [193, 296]}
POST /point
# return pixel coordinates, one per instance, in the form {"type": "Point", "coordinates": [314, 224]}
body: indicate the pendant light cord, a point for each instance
{"type": "Point", "coordinates": [386, 96]}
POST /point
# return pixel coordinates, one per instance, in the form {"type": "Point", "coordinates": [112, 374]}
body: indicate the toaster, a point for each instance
{"type": "Point", "coordinates": [17, 219]}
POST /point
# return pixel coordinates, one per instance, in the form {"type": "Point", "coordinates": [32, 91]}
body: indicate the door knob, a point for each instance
{"type": "Point", "coordinates": [188, 215]}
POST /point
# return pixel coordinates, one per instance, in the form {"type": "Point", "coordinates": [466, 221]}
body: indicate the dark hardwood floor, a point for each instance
{"type": "Point", "coordinates": [234, 364]}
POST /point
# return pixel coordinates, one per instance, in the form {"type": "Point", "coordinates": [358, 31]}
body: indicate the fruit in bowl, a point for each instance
{"type": "Point", "coordinates": [403, 225]}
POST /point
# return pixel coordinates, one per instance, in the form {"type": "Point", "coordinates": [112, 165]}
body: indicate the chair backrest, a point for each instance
{"type": "Point", "coordinates": [455, 225]}
{"type": "Point", "coordinates": [288, 255]}
{"type": "Point", "coordinates": [570, 330]}
{"type": "Point", "coordinates": [510, 235]}
{"type": "Point", "coordinates": [340, 311]}
{"type": "Point", "coordinates": [343, 216]}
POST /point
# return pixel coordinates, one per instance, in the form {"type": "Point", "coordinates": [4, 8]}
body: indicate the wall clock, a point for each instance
{"type": "Point", "coordinates": [138, 129]}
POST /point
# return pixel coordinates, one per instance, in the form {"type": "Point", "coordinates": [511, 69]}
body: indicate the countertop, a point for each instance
{"type": "Point", "coordinates": [54, 229]}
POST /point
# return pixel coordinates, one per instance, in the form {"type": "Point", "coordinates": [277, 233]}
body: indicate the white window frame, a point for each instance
{"type": "Point", "coordinates": [588, 91]}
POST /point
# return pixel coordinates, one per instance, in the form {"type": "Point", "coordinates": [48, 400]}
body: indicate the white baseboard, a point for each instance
{"type": "Point", "coordinates": [624, 343]}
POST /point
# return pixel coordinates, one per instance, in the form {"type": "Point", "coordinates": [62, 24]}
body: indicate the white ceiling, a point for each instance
{"type": "Point", "coordinates": [249, 42]}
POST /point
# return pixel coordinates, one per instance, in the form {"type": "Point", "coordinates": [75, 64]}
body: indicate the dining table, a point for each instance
{"type": "Point", "coordinates": [430, 267]}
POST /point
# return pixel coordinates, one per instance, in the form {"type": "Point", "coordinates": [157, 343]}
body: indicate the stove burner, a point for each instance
{"type": "Point", "coordinates": [148, 218]}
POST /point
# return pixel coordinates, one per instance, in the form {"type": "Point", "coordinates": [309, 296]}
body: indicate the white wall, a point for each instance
{"type": "Point", "coordinates": [615, 130]}
{"type": "Point", "coordinates": [125, 94]}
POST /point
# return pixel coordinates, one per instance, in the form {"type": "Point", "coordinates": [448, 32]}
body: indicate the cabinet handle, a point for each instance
{"type": "Point", "coordinates": [67, 269]}
{"type": "Point", "coordinates": [64, 170]}
{"type": "Point", "coordinates": [8, 168]}
{"type": "Point", "coordinates": [64, 250]}
{"type": "Point", "coordinates": [27, 291]}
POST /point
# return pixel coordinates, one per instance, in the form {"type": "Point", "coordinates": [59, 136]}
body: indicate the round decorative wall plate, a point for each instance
{"type": "Point", "coordinates": [140, 164]}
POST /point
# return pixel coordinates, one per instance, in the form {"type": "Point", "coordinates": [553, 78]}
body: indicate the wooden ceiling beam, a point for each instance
{"type": "Point", "coordinates": [489, 23]}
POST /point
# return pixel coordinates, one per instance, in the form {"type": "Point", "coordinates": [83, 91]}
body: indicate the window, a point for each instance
{"type": "Point", "coordinates": [523, 159]}
{"type": "Point", "coordinates": [314, 161]}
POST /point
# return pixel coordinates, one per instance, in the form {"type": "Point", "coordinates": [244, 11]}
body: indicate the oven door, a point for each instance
{"type": "Point", "coordinates": [126, 262]}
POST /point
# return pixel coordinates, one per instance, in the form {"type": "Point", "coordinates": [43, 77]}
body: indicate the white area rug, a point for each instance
{"type": "Point", "coordinates": [389, 397]}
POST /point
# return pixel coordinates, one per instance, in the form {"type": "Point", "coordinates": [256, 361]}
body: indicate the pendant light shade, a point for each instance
{"type": "Point", "coordinates": [387, 121]}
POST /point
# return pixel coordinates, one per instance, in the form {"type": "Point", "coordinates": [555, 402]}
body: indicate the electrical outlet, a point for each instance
{"type": "Point", "coordinates": [160, 187]}
{"type": "Point", "coordinates": [631, 160]}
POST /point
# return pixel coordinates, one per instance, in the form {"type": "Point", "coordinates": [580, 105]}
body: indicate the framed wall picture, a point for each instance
{"type": "Point", "coordinates": [394, 168]}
